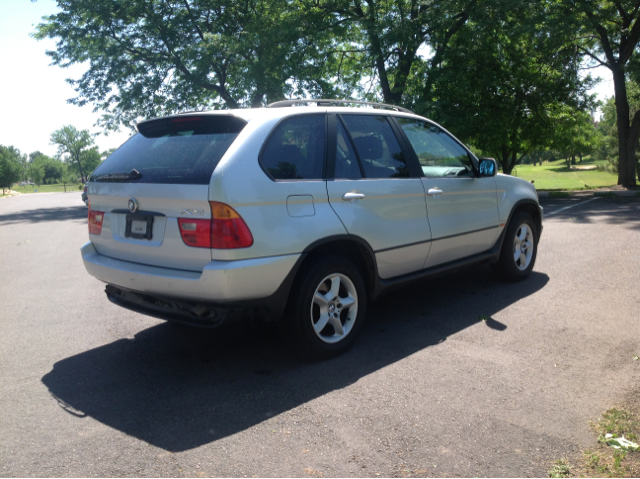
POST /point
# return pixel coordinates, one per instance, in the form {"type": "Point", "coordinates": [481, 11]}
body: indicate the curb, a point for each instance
{"type": "Point", "coordinates": [10, 194]}
{"type": "Point", "coordinates": [588, 193]}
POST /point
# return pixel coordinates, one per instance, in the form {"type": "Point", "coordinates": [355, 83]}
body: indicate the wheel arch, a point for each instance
{"type": "Point", "coordinates": [352, 247]}
{"type": "Point", "coordinates": [530, 207]}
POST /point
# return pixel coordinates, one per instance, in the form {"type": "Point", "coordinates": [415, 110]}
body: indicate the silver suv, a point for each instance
{"type": "Point", "coordinates": [297, 214]}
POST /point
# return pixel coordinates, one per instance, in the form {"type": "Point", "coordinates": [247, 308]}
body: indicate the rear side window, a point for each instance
{"type": "Point", "coordinates": [347, 165]}
{"type": "Point", "coordinates": [180, 150]}
{"type": "Point", "coordinates": [377, 146]}
{"type": "Point", "coordinates": [295, 149]}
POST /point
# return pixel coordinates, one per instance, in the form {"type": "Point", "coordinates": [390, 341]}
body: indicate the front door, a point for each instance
{"type": "Point", "coordinates": [462, 208]}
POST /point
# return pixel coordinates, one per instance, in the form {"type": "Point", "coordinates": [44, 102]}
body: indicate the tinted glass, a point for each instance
{"type": "Point", "coordinates": [377, 146]}
{"type": "Point", "coordinates": [346, 160]}
{"type": "Point", "coordinates": [439, 154]}
{"type": "Point", "coordinates": [295, 150]}
{"type": "Point", "coordinates": [181, 150]}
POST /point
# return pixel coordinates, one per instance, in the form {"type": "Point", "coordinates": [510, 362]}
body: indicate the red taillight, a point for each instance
{"type": "Point", "coordinates": [95, 222]}
{"type": "Point", "coordinates": [195, 232]}
{"type": "Point", "coordinates": [228, 229]}
{"type": "Point", "coordinates": [225, 230]}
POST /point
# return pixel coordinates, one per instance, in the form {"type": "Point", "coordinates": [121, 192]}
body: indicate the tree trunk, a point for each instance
{"type": "Point", "coordinates": [80, 167]}
{"type": "Point", "coordinates": [627, 139]}
{"type": "Point", "coordinates": [507, 162]}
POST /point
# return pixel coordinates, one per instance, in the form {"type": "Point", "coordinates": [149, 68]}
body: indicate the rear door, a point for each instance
{"type": "Point", "coordinates": [377, 194]}
{"type": "Point", "coordinates": [462, 208]}
{"type": "Point", "coordinates": [159, 176]}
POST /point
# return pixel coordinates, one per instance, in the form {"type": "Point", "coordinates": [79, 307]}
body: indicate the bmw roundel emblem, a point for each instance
{"type": "Point", "coordinates": [133, 205]}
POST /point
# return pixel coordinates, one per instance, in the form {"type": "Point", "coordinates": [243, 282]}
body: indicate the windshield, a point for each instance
{"type": "Point", "coordinates": [178, 150]}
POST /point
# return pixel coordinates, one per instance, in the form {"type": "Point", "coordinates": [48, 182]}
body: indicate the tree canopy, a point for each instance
{"type": "Point", "coordinates": [501, 74]}
{"type": "Point", "coordinates": [507, 83]}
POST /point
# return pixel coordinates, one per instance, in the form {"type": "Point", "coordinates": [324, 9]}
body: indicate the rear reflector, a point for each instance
{"type": "Point", "coordinates": [225, 230]}
{"type": "Point", "coordinates": [95, 222]}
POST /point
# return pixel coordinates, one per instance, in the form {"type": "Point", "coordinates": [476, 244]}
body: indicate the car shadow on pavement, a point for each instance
{"type": "Point", "coordinates": [46, 214]}
{"type": "Point", "coordinates": [178, 388]}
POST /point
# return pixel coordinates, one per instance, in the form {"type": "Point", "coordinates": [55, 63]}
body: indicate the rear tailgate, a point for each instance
{"type": "Point", "coordinates": [159, 176]}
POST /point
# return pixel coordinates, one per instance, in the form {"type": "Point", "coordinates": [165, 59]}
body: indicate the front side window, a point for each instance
{"type": "Point", "coordinates": [295, 150]}
{"type": "Point", "coordinates": [377, 146]}
{"type": "Point", "coordinates": [439, 154]}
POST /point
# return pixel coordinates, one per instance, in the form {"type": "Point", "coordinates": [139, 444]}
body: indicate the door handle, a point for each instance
{"type": "Point", "coordinates": [352, 195]}
{"type": "Point", "coordinates": [434, 192]}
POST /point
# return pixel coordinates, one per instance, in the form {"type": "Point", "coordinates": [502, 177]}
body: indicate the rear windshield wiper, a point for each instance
{"type": "Point", "coordinates": [132, 175]}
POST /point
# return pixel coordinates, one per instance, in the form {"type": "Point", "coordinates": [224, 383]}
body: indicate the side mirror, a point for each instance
{"type": "Point", "coordinates": [487, 167]}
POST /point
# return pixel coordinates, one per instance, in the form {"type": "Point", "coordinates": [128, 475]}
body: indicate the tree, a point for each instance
{"type": "Point", "coordinates": [390, 33]}
{"type": "Point", "coordinates": [68, 177]}
{"type": "Point", "coordinates": [90, 160]}
{"type": "Point", "coordinates": [51, 168]}
{"type": "Point", "coordinates": [10, 169]}
{"type": "Point", "coordinates": [505, 81]}
{"type": "Point", "coordinates": [610, 33]}
{"type": "Point", "coordinates": [36, 172]}
{"type": "Point", "coordinates": [151, 58]}
{"type": "Point", "coordinates": [574, 134]}
{"type": "Point", "coordinates": [74, 143]}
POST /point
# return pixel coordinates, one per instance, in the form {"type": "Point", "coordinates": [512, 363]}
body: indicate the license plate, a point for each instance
{"type": "Point", "coordinates": [139, 227]}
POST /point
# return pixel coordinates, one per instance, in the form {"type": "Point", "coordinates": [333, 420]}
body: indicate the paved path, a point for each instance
{"type": "Point", "coordinates": [88, 389]}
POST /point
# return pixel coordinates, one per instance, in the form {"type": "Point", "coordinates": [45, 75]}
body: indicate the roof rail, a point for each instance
{"type": "Point", "coordinates": [326, 102]}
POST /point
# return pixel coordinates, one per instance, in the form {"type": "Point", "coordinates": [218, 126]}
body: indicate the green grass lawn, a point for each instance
{"type": "Point", "coordinates": [554, 175]}
{"type": "Point", "coordinates": [46, 189]}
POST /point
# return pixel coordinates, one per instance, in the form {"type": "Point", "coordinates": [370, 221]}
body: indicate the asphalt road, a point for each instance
{"type": "Point", "coordinates": [89, 389]}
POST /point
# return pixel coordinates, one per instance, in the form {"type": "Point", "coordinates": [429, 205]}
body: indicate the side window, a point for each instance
{"type": "Point", "coordinates": [377, 146]}
{"type": "Point", "coordinates": [295, 150]}
{"type": "Point", "coordinates": [439, 154]}
{"type": "Point", "coordinates": [347, 166]}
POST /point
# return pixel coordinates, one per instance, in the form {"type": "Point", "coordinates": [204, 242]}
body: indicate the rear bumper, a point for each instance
{"type": "Point", "coordinates": [219, 282]}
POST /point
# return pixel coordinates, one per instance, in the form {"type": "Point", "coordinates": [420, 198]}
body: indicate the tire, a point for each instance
{"type": "Point", "coordinates": [317, 326]}
{"type": "Point", "coordinates": [521, 237]}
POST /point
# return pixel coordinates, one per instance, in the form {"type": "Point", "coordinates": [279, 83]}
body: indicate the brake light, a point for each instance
{"type": "Point", "coordinates": [185, 120]}
{"type": "Point", "coordinates": [228, 229]}
{"type": "Point", "coordinates": [225, 230]}
{"type": "Point", "coordinates": [95, 222]}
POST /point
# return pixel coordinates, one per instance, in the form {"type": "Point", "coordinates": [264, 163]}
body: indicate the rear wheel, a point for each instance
{"type": "Point", "coordinates": [326, 308]}
{"type": "Point", "coordinates": [519, 249]}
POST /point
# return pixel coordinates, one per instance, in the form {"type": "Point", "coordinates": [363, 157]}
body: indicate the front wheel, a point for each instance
{"type": "Point", "coordinates": [326, 308]}
{"type": "Point", "coordinates": [519, 249]}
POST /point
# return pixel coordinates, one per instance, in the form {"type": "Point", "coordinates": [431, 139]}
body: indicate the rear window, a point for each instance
{"type": "Point", "coordinates": [180, 150]}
